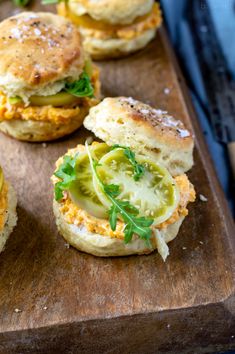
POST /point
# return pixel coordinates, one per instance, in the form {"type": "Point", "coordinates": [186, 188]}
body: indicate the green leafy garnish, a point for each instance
{"type": "Point", "coordinates": [66, 172]}
{"type": "Point", "coordinates": [81, 87]}
{"type": "Point", "coordinates": [21, 3]}
{"type": "Point", "coordinates": [51, 2]}
{"type": "Point", "coordinates": [129, 213]}
{"type": "Point", "coordinates": [138, 168]}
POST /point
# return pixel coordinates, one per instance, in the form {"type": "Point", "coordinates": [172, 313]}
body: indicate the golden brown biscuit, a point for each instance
{"type": "Point", "coordinates": [112, 11]}
{"type": "Point", "coordinates": [105, 246]}
{"type": "Point", "coordinates": [8, 216]}
{"type": "Point", "coordinates": [36, 131]}
{"type": "Point", "coordinates": [116, 35]}
{"type": "Point", "coordinates": [95, 236]}
{"type": "Point", "coordinates": [36, 51]}
{"type": "Point", "coordinates": [148, 131]}
{"type": "Point", "coordinates": [40, 54]}
{"type": "Point", "coordinates": [101, 49]}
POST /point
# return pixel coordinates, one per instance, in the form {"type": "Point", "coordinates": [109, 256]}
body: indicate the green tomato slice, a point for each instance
{"type": "Point", "coordinates": [155, 194]}
{"type": "Point", "coordinates": [15, 100]}
{"type": "Point", "coordinates": [60, 99]}
{"type": "Point", "coordinates": [82, 191]}
{"type": "Point", "coordinates": [1, 179]}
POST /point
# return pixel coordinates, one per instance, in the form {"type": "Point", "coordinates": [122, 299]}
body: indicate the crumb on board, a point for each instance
{"type": "Point", "coordinates": [202, 243]}
{"type": "Point", "coordinates": [45, 308]}
{"type": "Point", "coordinates": [44, 145]}
{"type": "Point", "coordinates": [166, 91]}
{"type": "Point", "coordinates": [202, 198]}
{"type": "Point", "coordinates": [67, 245]}
{"type": "Point", "coordinates": [184, 248]}
{"type": "Point", "coordinates": [17, 310]}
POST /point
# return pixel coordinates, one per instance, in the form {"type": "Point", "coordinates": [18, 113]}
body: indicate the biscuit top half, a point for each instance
{"type": "Point", "coordinates": [136, 117]}
{"type": "Point", "coordinates": [112, 11]}
{"type": "Point", "coordinates": [38, 48]}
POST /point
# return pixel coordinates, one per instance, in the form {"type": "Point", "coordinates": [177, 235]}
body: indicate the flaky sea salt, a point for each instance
{"type": "Point", "coordinates": [16, 33]}
{"type": "Point", "coordinates": [183, 133]}
{"type": "Point", "coordinates": [37, 32]}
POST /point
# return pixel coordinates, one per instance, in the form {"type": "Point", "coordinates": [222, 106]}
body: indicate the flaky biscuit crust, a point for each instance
{"type": "Point", "coordinates": [38, 48]}
{"type": "Point", "coordinates": [11, 217]}
{"type": "Point", "coordinates": [101, 49]}
{"type": "Point", "coordinates": [112, 11]}
{"type": "Point", "coordinates": [105, 246]}
{"type": "Point", "coordinates": [36, 131]}
{"type": "Point", "coordinates": [148, 131]}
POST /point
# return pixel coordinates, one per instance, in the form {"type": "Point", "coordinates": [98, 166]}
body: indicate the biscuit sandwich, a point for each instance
{"type": "Point", "coordinates": [47, 83]}
{"type": "Point", "coordinates": [128, 194]}
{"type": "Point", "coordinates": [113, 28]}
{"type": "Point", "coordinates": [8, 216]}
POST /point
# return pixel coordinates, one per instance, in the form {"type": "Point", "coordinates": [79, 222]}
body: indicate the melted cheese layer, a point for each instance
{"type": "Point", "coordinates": [3, 205]}
{"type": "Point", "coordinates": [74, 215]}
{"type": "Point", "coordinates": [57, 115]}
{"type": "Point", "coordinates": [103, 30]}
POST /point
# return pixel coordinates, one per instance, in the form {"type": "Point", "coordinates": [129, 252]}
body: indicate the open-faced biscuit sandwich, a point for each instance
{"type": "Point", "coordinates": [113, 28]}
{"type": "Point", "coordinates": [47, 83]}
{"type": "Point", "coordinates": [8, 216]}
{"type": "Point", "coordinates": [128, 194]}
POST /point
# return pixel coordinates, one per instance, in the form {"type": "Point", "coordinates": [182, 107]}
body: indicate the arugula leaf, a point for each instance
{"type": "Point", "coordinates": [66, 172]}
{"type": "Point", "coordinates": [112, 189]}
{"type": "Point", "coordinates": [138, 168]}
{"type": "Point", "coordinates": [21, 3]}
{"type": "Point", "coordinates": [113, 215]}
{"type": "Point", "coordinates": [129, 213]}
{"type": "Point", "coordinates": [134, 224]}
{"type": "Point", "coordinates": [81, 87]}
{"type": "Point", "coordinates": [50, 2]}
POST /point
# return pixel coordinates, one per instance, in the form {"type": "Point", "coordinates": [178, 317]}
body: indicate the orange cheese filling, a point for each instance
{"type": "Point", "coordinates": [56, 115]}
{"type": "Point", "coordinates": [74, 215]}
{"type": "Point", "coordinates": [187, 194]}
{"type": "Point", "coordinates": [3, 205]}
{"type": "Point", "coordinates": [101, 29]}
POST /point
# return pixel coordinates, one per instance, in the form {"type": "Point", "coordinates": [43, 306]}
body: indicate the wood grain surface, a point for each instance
{"type": "Point", "coordinates": [71, 302]}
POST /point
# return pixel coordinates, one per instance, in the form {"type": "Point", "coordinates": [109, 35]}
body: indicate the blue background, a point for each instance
{"type": "Point", "coordinates": [223, 13]}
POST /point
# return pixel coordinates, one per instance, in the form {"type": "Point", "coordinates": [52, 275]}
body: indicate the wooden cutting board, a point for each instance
{"type": "Point", "coordinates": [71, 302]}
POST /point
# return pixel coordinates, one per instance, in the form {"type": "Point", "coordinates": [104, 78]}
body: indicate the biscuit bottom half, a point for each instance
{"type": "Point", "coordinates": [44, 123]}
{"type": "Point", "coordinates": [8, 216]}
